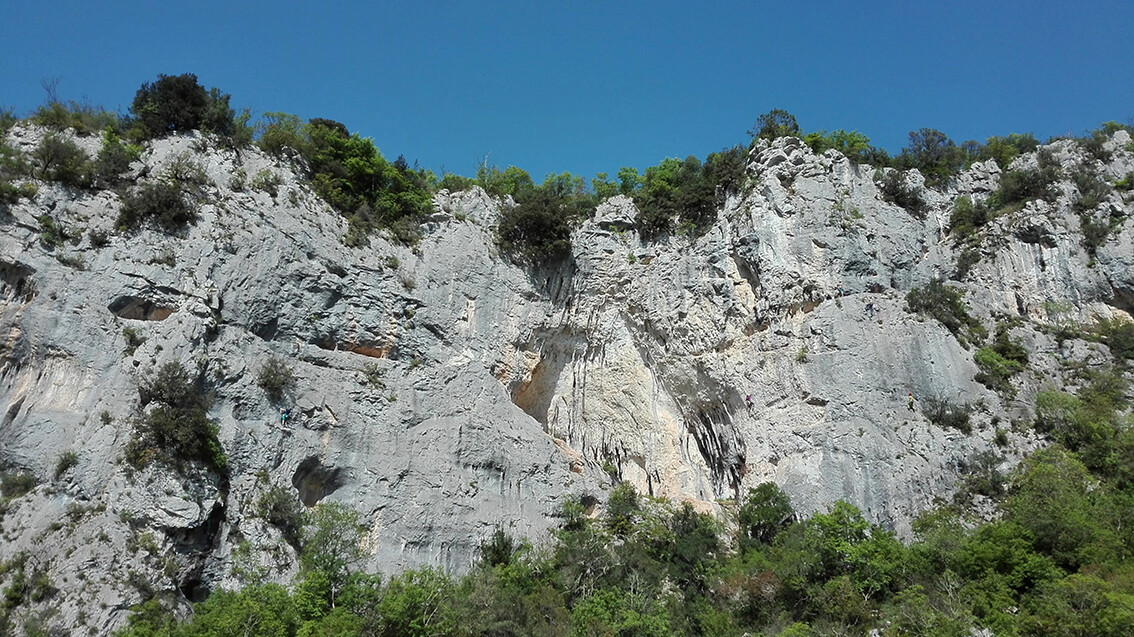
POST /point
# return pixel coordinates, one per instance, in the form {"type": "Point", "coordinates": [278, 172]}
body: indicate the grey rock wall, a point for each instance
{"type": "Point", "coordinates": [501, 393]}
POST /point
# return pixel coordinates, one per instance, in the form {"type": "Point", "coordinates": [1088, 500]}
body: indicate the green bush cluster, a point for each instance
{"type": "Point", "coordinates": [947, 305]}
{"type": "Point", "coordinates": [114, 158]}
{"type": "Point", "coordinates": [173, 426]}
{"type": "Point", "coordinates": [1119, 337]}
{"type": "Point", "coordinates": [1000, 361]}
{"type": "Point", "coordinates": [57, 158]}
{"type": "Point", "coordinates": [1057, 554]}
{"type": "Point", "coordinates": [177, 104]}
{"type": "Point", "coordinates": [160, 203]}
{"type": "Point", "coordinates": [854, 145]}
{"type": "Point", "coordinates": [15, 484]}
{"type": "Point", "coordinates": [967, 218]}
{"type": "Point", "coordinates": [67, 461]}
{"type": "Point", "coordinates": [1092, 423]}
{"type": "Point", "coordinates": [946, 414]}
{"type": "Point", "coordinates": [84, 119]}
{"type": "Point", "coordinates": [275, 378]}
{"type": "Point", "coordinates": [895, 190]}
{"type": "Point", "coordinates": [537, 230]}
{"type": "Point", "coordinates": [280, 507]}
{"type": "Point", "coordinates": [13, 165]}
{"type": "Point", "coordinates": [684, 194]}
{"type": "Point", "coordinates": [349, 173]}
{"type": "Point", "coordinates": [1019, 186]}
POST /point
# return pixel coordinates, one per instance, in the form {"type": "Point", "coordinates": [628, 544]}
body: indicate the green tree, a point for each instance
{"type": "Point", "coordinates": [174, 426]}
{"type": "Point", "coordinates": [774, 124]}
{"type": "Point", "coordinates": [415, 604]}
{"type": "Point", "coordinates": [178, 103]}
{"type": "Point", "coordinates": [331, 541]}
{"type": "Point", "coordinates": [766, 511]}
{"type": "Point", "coordinates": [936, 156]}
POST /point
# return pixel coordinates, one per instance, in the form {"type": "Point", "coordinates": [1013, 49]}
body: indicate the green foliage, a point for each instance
{"type": "Point", "coordinates": [1119, 337]}
{"type": "Point", "coordinates": [510, 182]}
{"type": "Point", "coordinates": [114, 158]}
{"type": "Point", "coordinates": [897, 191]}
{"type": "Point", "coordinates": [687, 193]}
{"type": "Point", "coordinates": [330, 541]}
{"type": "Point", "coordinates": [774, 124]}
{"type": "Point", "coordinates": [967, 218]}
{"type": "Point", "coordinates": [1000, 361]}
{"type": "Point", "coordinates": [1054, 498]}
{"type": "Point", "coordinates": [52, 234]}
{"type": "Point", "coordinates": [947, 414]}
{"type": "Point", "coordinates": [766, 511]}
{"type": "Point", "coordinates": [1019, 186]}
{"type": "Point", "coordinates": [1091, 424]}
{"type": "Point", "coordinates": [934, 155]}
{"type": "Point", "coordinates": [67, 461]}
{"type": "Point", "coordinates": [1006, 149]}
{"type": "Point", "coordinates": [133, 339]}
{"type": "Point", "coordinates": [946, 304]}
{"type": "Point", "coordinates": [84, 119]}
{"type": "Point", "coordinates": [162, 204]}
{"type": "Point", "coordinates": [622, 507]}
{"type": "Point", "coordinates": [280, 507]}
{"type": "Point", "coordinates": [499, 550]}
{"type": "Point", "coordinates": [278, 132]}
{"type": "Point", "coordinates": [615, 612]}
{"type": "Point", "coordinates": [275, 378]}
{"type": "Point", "coordinates": [16, 484]}
{"type": "Point", "coordinates": [176, 104]}
{"type": "Point", "coordinates": [537, 230]}
{"type": "Point", "coordinates": [57, 158]}
{"type": "Point", "coordinates": [350, 174]}
{"type": "Point", "coordinates": [854, 145]}
{"type": "Point", "coordinates": [414, 604]}
{"type": "Point", "coordinates": [173, 426]}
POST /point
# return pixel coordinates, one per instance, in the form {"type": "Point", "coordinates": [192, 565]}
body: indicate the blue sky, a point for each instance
{"type": "Point", "coordinates": [588, 87]}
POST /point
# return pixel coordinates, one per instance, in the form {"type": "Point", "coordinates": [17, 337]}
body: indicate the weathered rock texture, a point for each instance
{"type": "Point", "coordinates": [441, 390]}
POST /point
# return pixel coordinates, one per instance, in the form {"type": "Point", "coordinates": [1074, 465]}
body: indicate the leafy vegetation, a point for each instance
{"type": "Point", "coordinates": [946, 304]}
{"type": "Point", "coordinates": [177, 104]}
{"type": "Point", "coordinates": [1057, 554]}
{"type": "Point", "coordinates": [173, 426]}
{"type": "Point", "coordinates": [686, 193]}
{"type": "Point", "coordinates": [1000, 361]}
{"type": "Point", "coordinates": [57, 158]}
{"type": "Point", "coordinates": [275, 378]}
{"type": "Point", "coordinates": [161, 203]}
{"type": "Point", "coordinates": [947, 414]}
{"type": "Point", "coordinates": [896, 190]}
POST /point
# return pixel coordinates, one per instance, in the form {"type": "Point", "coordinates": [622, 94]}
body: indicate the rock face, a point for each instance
{"type": "Point", "coordinates": [441, 390]}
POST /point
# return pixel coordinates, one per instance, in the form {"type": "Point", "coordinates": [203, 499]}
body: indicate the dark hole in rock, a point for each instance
{"type": "Point", "coordinates": [314, 481]}
{"type": "Point", "coordinates": [194, 590]}
{"type": "Point", "coordinates": [15, 281]}
{"type": "Point", "coordinates": [133, 307]}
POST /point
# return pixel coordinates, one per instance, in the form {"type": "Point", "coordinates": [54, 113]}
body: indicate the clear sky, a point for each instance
{"type": "Point", "coordinates": [588, 87]}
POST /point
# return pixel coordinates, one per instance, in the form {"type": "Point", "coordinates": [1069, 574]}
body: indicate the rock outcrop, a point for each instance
{"type": "Point", "coordinates": [441, 390]}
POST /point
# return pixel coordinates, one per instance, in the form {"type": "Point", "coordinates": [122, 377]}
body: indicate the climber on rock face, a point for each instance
{"type": "Point", "coordinates": [909, 401]}
{"type": "Point", "coordinates": [870, 310]}
{"type": "Point", "coordinates": [748, 401]}
{"type": "Point", "coordinates": [284, 413]}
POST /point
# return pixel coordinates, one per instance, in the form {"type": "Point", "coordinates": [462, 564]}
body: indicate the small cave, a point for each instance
{"type": "Point", "coordinates": [141, 309]}
{"type": "Point", "coordinates": [194, 590]}
{"type": "Point", "coordinates": [314, 481]}
{"type": "Point", "coordinates": [16, 282]}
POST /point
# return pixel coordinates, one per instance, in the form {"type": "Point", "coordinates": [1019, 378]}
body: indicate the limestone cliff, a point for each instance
{"type": "Point", "coordinates": [441, 390]}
